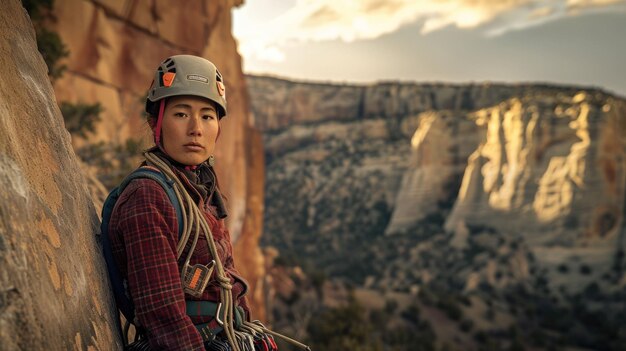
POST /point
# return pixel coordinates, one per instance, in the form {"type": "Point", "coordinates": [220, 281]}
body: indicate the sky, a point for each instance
{"type": "Point", "coordinates": [570, 42]}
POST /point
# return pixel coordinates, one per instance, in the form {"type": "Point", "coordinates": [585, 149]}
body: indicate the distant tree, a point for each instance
{"type": "Point", "coordinates": [343, 329]}
{"type": "Point", "coordinates": [49, 43]}
{"type": "Point", "coordinates": [585, 269]}
{"type": "Point", "coordinates": [411, 313]}
{"type": "Point", "coordinates": [81, 118]}
{"type": "Point", "coordinates": [52, 50]}
{"type": "Point", "coordinates": [391, 305]}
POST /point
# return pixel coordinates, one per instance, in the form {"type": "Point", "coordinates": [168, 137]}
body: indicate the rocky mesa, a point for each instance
{"type": "Point", "coordinates": [512, 194]}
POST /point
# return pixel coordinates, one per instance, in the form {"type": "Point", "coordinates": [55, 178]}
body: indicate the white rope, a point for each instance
{"type": "Point", "coordinates": [196, 219]}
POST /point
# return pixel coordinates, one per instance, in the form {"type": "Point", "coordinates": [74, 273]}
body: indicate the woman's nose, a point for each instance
{"type": "Point", "coordinates": [195, 127]}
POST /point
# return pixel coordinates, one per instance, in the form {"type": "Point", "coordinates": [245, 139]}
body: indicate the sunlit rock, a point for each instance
{"type": "Point", "coordinates": [54, 293]}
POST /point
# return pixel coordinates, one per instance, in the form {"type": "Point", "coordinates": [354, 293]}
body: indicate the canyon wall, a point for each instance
{"type": "Point", "coordinates": [53, 294]}
{"type": "Point", "coordinates": [115, 46]}
{"type": "Point", "coordinates": [540, 167]}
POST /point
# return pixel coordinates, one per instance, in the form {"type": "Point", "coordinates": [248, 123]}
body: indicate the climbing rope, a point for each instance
{"type": "Point", "coordinates": [255, 327]}
{"type": "Point", "coordinates": [195, 219]}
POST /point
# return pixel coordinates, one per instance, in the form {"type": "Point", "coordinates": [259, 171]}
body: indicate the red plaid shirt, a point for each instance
{"type": "Point", "coordinates": [144, 234]}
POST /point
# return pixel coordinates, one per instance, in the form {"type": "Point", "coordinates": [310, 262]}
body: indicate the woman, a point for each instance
{"type": "Point", "coordinates": [175, 306]}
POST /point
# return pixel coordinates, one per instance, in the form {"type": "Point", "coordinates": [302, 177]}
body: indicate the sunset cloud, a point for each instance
{"type": "Point", "coordinates": [350, 20]}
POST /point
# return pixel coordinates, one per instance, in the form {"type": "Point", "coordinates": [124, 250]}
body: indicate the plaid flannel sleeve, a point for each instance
{"type": "Point", "coordinates": [149, 228]}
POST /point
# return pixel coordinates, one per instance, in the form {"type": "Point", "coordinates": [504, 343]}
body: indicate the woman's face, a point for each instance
{"type": "Point", "coordinates": [189, 129]}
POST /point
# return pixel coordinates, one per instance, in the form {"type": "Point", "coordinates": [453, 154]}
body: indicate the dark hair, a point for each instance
{"type": "Point", "coordinates": [152, 108]}
{"type": "Point", "coordinates": [151, 119]}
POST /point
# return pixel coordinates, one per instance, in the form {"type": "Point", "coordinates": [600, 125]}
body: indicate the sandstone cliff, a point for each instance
{"type": "Point", "coordinates": [551, 170]}
{"type": "Point", "coordinates": [51, 297]}
{"type": "Point", "coordinates": [499, 197]}
{"type": "Point", "coordinates": [397, 150]}
{"type": "Point", "coordinates": [115, 46]}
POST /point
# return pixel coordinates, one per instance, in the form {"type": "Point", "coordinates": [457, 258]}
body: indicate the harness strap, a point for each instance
{"type": "Point", "coordinates": [166, 184]}
{"type": "Point", "coordinates": [122, 297]}
{"type": "Point", "coordinates": [231, 314]}
{"type": "Point", "coordinates": [203, 308]}
{"type": "Point", "coordinates": [209, 330]}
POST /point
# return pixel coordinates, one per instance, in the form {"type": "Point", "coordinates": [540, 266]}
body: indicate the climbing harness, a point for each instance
{"type": "Point", "coordinates": [241, 335]}
{"type": "Point", "coordinates": [197, 220]}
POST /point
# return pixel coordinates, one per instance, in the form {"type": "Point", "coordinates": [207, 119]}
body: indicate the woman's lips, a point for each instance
{"type": "Point", "coordinates": [194, 147]}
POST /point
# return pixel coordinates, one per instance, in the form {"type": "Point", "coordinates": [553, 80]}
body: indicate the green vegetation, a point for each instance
{"type": "Point", "coordinates": [585, 269]}
{"type": "Point", "coordinates": [81, 118]}
{"type": "Point", "coordinates": [36, 7]}
{"type": "Point", "coordinates": [49, 43]}
{"type": "Point", "coordinates": [343, 328]}
{"type": "Point", "coordinates": [52, 50]}
{"type": "Point", "coordinates": [113, 161]}
{"type": "Point", "coordinates": [349, 328]}
{"type": "Point", "coordinates": [391, 306]}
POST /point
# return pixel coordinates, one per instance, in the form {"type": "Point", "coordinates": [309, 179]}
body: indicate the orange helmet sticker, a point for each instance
{"type": "Point", "coordinates": [220, 88]}
{"type": "Point", "coordinates": [168, 78]}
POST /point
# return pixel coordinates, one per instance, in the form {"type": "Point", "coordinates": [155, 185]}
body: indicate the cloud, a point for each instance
{"type": "Point", "coordinates": [350, 20]}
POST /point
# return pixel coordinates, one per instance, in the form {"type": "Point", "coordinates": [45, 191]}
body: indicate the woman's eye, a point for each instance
{"type": "Point", "coordinates": [208, 117]}
{"type": "Point", "coordinates": [180, 114]}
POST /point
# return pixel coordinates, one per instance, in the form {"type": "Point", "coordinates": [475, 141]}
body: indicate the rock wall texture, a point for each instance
{"type": "Point", "coordinates": [114, 48]}
{"type": "Point", "coordinates": [51, 295]}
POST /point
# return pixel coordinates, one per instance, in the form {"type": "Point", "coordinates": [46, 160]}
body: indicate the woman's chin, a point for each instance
{"type": "Point", "coordinates": [189, 160]}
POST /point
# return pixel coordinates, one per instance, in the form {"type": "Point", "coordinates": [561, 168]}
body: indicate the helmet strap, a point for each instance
{"type": "Point", "coordinates": [157, 131]}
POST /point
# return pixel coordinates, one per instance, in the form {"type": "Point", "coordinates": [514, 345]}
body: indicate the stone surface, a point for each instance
{"type": "Point", "coordinates": [115, 46]}
{"type": "Point", "coordinates": [439, 150]}
{"type": "Point", "coordinates": [53, 291]}
{"type": "Point", "coordinates": [552, 170]}
{"type": "Point", "coordinates": [279, 103]}
{"type": "Point", "coordinates": [499, 184]}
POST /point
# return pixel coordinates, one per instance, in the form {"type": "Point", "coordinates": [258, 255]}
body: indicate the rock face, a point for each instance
{"type": "Point", "coordinates": [374, 178]}
{"type": "Point", "coordinates": [115, 47]}
{"type": "Point", "coordinates": [551, 170]}
{"type": "Point", "coordinates": [562, 165]}
{"type": "Point", "coordinates": [439, 150]}
{"type": "Point", "coordinates": [49, 258]}
{"type": "Point", "coordinates": [278, 103]}
{"type": "Point", "coordinates": [498, 210]}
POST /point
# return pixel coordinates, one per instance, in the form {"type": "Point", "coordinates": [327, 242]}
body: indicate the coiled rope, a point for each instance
{"type": "Point", "coordinates": [195, 219]}
{"type": "Point", "coordinates": [255, 327]}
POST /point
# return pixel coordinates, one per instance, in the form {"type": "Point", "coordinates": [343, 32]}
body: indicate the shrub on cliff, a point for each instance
{"type": "Point", "coordinates": [81, 118]}
{"type": "Point", "coordinates": [343, 328]}
{"type": "Point", "coordinates": [113, 161]}
{"type": "Point", "coordinates": [49, 43]}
